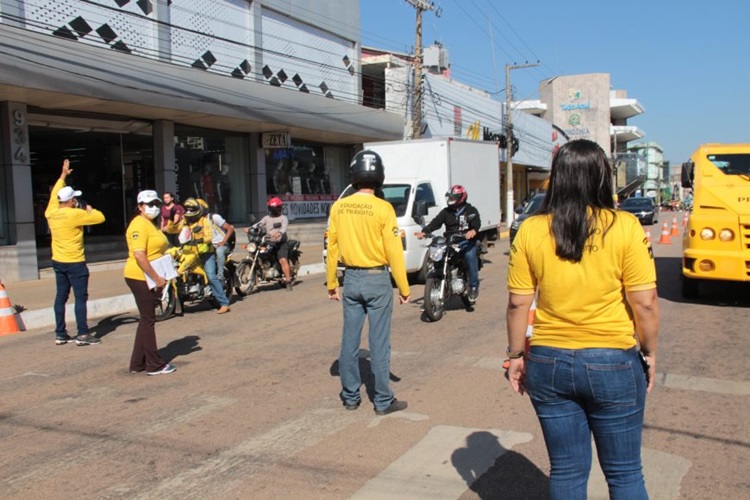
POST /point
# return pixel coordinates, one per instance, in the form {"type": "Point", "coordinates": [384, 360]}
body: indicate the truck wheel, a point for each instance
{"type": "Point", "coordinates": [433, 303]}
{"type": "Point", "coordinates": [422, 273]}
{"type": "Point", "coordinates": [690, 288]}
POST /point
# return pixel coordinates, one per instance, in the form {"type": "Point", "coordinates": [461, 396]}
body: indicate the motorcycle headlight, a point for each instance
{"type": "Point", "coordinates": [252, 247]}
{"type": "Point", "coordinates": [437, 253]}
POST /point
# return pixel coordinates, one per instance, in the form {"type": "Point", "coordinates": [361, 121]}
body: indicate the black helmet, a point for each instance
{"type": "Point", "coordinates": [367, 168]}
{"type": "Point", "coordinates": [193, 210]}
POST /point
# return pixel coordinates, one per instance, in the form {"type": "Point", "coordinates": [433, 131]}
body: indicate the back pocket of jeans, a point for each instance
{"type": "Point", "coordinates": [540, 377]}
{"type": "Point", "coordinates": [612, 384]}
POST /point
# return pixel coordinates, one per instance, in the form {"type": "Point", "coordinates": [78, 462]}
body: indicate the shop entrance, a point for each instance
{"type": "Point", "coordinates": [109, 168]}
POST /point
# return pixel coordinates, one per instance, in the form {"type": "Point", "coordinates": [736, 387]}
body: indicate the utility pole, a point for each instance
{"type": "Point", "coordinates": [509, 203]}
{"type": "Point", "coordinates": [421, 6]}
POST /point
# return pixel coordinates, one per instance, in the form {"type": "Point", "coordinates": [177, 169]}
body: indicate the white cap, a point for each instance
{"type": "Point", "coordinates": [67, 193]}
{"type": "Point", "coordinates": [148, 196]}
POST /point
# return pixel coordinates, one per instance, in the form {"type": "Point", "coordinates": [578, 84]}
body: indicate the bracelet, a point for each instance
{"type": "Point", "coordinates": [514, 354]}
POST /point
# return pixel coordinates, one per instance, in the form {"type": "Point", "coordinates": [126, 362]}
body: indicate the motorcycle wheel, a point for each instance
{"type": "Point", "coordinates": [293, 269]}
{"type": "Point", "coordinates": [165, 308]}
{"type": "Point", "coordinates": [433, 304]}
{"type": "Point", "coordinates": [246, 280]}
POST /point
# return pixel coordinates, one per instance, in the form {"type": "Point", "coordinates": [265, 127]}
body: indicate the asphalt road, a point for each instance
{"type": "Point", "coordinates": [253, 411]}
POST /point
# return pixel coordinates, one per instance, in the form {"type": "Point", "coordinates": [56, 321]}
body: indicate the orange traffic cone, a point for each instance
{"type": "Point", "coordinates": [685, 219]}
{"type": "Point", "coordinates": [648, 236]}
{"type": "Point", "coordinates": [8, 322]}
{"type": "Point", "coordinates": [675, 229]}
{"type": "Point", "coordinates": [665, 234]}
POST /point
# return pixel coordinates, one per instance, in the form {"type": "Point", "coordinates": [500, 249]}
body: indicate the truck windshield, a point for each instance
{"type": "Point", "coordinates": [732, 164]}
{"type": "Point", "coordinates": [396, 194]}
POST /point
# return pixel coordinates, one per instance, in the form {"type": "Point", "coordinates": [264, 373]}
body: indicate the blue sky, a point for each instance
{"type": "Point", "coordinates": [686, 61]}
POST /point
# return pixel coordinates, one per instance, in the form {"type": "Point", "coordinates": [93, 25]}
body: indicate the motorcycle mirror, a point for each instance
{"type": "Point", "coordinates": [471, 217]}
{"type": "Point", "coordinates": [250, 219]}
{"type": "Point", "coordinates": [276, 225]}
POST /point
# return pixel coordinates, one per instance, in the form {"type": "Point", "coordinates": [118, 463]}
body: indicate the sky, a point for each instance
{"type": "Point", "coordinates": [687, 62]}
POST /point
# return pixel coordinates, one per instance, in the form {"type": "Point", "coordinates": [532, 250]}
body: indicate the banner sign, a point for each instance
{"type": "Point", "coordinates": [307, 206]}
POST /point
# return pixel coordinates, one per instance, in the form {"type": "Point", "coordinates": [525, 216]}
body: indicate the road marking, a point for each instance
{"type": "Point", "coordinates": [227, 471]}
{"type": "Point", "coordinates": [686, 382]}
{"type": "Point", "coordinates": [442, 465]}
{"type": "Point", "coordinates": [95, 446]}
{"type": "Point", "coordinates": [662, 471]}
{"type": "Point", "coordinates": [670, 380]}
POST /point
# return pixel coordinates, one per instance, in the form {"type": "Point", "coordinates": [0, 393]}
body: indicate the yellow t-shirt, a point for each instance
{"type": "Point", "coordinates": [142, 234]}
{"type": "Point", "coordinates": [66, 227]}
{"type": "Point", "coordinates": [363, 231]}
{"type": "Point", "coordinates": [582, 305]}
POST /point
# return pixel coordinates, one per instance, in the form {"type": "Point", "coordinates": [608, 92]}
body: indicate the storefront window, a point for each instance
{"type": "Point", "coordinates": [108, 167]}
{"type": "Point", "coordinates": [307, 177]}
{"type": "Point", "coordinates": [214, 166]}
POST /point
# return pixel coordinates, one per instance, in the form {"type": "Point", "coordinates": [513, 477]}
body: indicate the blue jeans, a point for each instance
{"type": "Point", "coordinates": [469, 249]}
{"type": "Point", "coordinates": [577, 393]}
{"type": "Point", "coordinates": [221, 258]}
{"type": "Point", "coordinates": [366, 293]}
{"type": "Point", "coordinates": [209, 265]}
{"type": "Point", "coordinates": [67, 275]}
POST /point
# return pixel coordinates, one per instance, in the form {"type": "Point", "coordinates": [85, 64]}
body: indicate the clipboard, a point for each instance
{"type": "Point", "coordinates": [164, 267]}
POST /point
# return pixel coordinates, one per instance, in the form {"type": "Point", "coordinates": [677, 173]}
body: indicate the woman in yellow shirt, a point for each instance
{"type": "Point", "coordinates": [145, 243]}
{"type": "Point", "coordinates": [592, 271]}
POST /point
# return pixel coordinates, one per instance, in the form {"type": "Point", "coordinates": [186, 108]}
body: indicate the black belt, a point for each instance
{"type": "Point", "coordinates": [376, 268]}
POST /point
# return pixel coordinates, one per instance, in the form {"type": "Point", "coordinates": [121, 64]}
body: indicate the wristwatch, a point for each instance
{"type": "Point", "coordinates": [514, 354]}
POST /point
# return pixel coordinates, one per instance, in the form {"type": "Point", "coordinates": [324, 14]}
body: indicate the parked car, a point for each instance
{"type": "Point", "coordinates": [531, 208]}
{"type": "Point", "coordinates": [643, 208]}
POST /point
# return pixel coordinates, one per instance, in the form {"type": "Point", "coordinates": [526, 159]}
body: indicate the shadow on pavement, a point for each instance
{"type": "Point", "coordinates": [365, 373]}
{"type": "Point", "coordinates": [180, 347]}
{"type": "Point", "coordinates": [109, 324]}
{"type": "Point", "coordinates": [511, 476]}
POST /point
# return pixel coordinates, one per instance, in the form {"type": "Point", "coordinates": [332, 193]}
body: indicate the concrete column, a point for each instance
{"type": "Point", "coordinates": [18, 260]}
{"type": "Point", "coordinates": [165, 163]}
{"type": "Point", "coordinates": [257, 188]}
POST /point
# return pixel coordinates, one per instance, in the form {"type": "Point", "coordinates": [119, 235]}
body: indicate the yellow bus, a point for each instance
{"type": "Point", "coordinates": [716, 242]}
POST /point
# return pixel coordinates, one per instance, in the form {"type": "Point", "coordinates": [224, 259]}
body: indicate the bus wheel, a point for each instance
{"type": "Point", "coordinates": [690, 288]}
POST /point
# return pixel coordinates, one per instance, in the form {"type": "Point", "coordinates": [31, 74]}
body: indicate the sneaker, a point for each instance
{"type": "Point", "coordinates": [223, 310]}
{"type": "Point", "coordinates": [163, 370]}
{"type": "Point", "coordinates": [395, 406]}
{"type": "Point", "coordinates": [352, 406]}
{"type": "Point", "coordinates": [63, 340]}
{"type": "Point", "coordinates": [88, 339]}
{"type": "Point", "coordinates": [473, 294]}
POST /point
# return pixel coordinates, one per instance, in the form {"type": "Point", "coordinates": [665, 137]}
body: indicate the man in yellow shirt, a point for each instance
{"type": "Point", "coordinates": [364, 235]}
{"type": "Point", "coordinates": [66, 219]}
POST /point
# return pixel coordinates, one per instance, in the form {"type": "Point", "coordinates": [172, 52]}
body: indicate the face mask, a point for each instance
{"type": "Point", "coordinates": [151, 212]}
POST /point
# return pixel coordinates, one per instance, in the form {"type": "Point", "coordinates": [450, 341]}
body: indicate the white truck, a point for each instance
{"type": "Point", "coordinates": [424, 170]}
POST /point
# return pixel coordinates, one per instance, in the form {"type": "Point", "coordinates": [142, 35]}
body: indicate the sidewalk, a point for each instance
{"type": "Point", "coordinates": [108, 293]}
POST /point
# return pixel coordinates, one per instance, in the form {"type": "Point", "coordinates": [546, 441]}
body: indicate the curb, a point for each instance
{"type": "Point", "coordinates": [45, 318]}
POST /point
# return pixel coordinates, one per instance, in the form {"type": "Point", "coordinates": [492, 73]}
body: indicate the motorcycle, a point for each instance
{"type": "Point", "coordinates": [446, 274]}
{"type": "Point", "coordinates": [261, 266]}
{"type": "Point", "coordinates": [191, 284]}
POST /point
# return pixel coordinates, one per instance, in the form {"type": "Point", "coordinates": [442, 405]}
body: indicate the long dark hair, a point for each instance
{"type": "Point", "coordinates": [580, 188]}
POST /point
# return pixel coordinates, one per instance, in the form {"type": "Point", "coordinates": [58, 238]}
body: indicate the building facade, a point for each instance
{"type": "Point", "coordinates": [230, 100]}
{"type": "Point", "coordinates": [453, 109]}
{"type": "Point", "coordinates": [585, 107]}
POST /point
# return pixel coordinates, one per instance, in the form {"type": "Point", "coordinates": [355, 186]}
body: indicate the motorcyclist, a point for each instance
{"type": "Point", "coordinates": [278, 235]}
{"type": "Point", "coordinates": [200, 228]}
{"type": "Point", "coordinates": [223, 237]}
{"type": "Point", "coordinates": [457, 219]}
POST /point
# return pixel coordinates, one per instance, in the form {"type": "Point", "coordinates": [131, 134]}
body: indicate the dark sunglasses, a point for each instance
{"type": "Point", "coordinates": [155, 203]}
